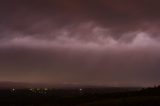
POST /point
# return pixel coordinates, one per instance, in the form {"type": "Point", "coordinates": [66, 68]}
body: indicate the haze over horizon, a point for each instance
{"type": "Point", "coordinates": [86, 42]}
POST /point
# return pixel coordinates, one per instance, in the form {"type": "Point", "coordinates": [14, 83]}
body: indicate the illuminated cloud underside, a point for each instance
{"type": "Point", "coordinates": [92, 42]}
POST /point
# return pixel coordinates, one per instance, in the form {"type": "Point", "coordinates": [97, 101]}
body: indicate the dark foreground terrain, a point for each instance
{"type": "Point", "coordinates": [81, 97]}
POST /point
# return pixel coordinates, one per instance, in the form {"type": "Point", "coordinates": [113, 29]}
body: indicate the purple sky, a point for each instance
{"type": "Point", "coordinates": [86, 42]}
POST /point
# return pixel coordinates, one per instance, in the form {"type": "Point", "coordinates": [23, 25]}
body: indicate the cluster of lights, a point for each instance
{"type": "Point", "coordinates": [38, 90]}
{"type": "Point", "coordinates": [35, 90]}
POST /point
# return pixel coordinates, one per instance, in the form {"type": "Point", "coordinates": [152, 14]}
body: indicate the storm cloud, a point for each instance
{"type": "Point", "coordinates": [86, 42]}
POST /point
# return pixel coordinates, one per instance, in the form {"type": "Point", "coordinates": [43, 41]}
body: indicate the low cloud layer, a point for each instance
{"type": "Point", "coordinates": [91, 42]}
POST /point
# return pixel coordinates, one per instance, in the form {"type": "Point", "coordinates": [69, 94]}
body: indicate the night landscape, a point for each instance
{"type": "Point", "coordinates": [85, 96]}
{"type": "Point", "coordinates": [79, 53]}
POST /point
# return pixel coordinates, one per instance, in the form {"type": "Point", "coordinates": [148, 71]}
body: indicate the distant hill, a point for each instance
{"type": "Point", "coordinates": [21, 85]}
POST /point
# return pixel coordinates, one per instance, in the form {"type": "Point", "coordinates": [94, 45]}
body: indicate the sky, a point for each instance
{"type": "Point", "coordinates": [80, 42]}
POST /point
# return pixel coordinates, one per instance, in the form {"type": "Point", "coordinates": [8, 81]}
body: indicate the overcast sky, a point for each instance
{"type": "Point", "coordinates": [86, 42]}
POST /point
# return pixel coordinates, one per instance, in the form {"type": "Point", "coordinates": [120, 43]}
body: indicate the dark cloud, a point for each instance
{"type": "Point", "coordinates": [38, 16]}
{"type": "Point", "coordinates": [98, 42]}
